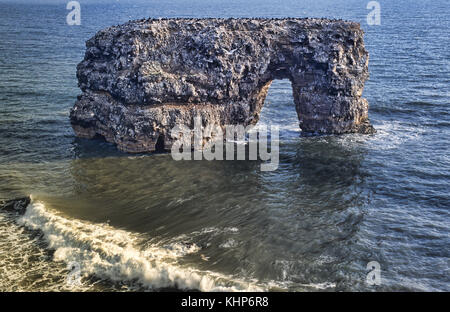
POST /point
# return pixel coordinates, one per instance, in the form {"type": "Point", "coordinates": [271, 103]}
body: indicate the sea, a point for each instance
{"type": "Point", "coordinates": [104, 220]}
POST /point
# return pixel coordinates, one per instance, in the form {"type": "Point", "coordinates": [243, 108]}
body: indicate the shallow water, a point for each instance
{"type": "Point", "coordinates": [146, 222]}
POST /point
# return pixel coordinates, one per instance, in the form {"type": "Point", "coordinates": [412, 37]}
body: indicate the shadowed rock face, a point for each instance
{"type": "Point", "coordinates": [142, 78]}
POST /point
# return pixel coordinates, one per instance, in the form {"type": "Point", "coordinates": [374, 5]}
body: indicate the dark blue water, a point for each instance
{"type": "Point", "coordinates": [148, 222]}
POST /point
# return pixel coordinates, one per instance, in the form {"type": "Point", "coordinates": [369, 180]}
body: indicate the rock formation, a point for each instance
{"type": "Point", "coordinates": [142, 78]}
{"type": "Point", "coordinates": [18, 205]}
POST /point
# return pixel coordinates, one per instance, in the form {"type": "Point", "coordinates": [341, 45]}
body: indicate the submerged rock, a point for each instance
{"type": "Point", "coordinates": [142, 78]}
{"type": "Point", "coordinates": [18, 205]}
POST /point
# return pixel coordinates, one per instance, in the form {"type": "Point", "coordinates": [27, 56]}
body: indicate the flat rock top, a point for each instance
{"type": "Point", "coordinates": [215, 60]}
{"type": "Point", "coordinates": [238, 23]}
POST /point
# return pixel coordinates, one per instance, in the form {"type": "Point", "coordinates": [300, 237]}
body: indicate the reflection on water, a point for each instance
{"type": "Point", "coordinates": [284, 224]}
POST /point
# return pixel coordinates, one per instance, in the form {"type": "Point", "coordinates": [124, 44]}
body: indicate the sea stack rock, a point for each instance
{"type": "Point", "coordinates": [142, 78]}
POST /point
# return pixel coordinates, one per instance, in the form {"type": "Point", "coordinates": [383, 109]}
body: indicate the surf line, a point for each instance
{"type": "Point", "coordinates": [193, 302]}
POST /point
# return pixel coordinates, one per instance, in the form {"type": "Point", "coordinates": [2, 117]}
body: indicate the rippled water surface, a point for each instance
{"type": "Point", "coordinates": [146, 222]}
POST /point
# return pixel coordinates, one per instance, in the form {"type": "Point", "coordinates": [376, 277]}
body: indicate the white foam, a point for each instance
{"type": "Point", "coordinates": [230, 243]}
{"type": "Point", "coordinates": [392, 134]}
{"type": "Point", "coordinates": [24, 261]}
{"type": "Point", "coordinates": [118, 255]}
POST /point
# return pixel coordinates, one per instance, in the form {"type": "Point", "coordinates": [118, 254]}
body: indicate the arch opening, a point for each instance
{"type": "Point", "coordinates": [159, 146]}
{"type": "Point", "coordinates": [279, 107]}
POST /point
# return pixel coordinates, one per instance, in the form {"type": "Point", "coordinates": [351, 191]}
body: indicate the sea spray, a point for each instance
{"type": "Point", "coordinates": [113, 254]}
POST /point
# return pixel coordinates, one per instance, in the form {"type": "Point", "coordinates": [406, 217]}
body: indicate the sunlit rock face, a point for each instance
{"type": "Point", "coordinates": [142, 78]}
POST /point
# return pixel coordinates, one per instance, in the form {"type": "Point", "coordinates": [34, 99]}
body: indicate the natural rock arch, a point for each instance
{"type": "Point", "coordinates": [142, 78]}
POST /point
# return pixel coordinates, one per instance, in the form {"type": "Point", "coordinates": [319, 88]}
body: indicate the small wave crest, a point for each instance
{"type": "Point", "coordinates": [118, 255]}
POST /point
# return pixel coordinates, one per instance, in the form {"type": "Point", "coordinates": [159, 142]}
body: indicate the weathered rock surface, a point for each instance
{"type": "Point", "coordinates": [142, 78]}
{"type": "Point", "coordinates": [18, 205]}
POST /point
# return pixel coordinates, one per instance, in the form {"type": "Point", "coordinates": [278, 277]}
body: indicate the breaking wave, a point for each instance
{"type": "Point", "coordinates": [117, 255]}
